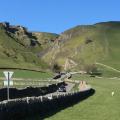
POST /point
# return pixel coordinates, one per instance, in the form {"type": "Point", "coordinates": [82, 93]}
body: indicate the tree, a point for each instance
{"type": "Point", "coordinates": [56, 68]}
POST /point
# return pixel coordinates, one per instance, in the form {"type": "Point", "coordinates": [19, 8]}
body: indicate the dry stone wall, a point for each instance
{"type": "Point", "coordinates": [29, 91]}
{"type": "Point", "coordinates": [18, 109]}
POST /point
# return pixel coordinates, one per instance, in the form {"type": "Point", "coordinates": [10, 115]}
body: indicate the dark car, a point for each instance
{"type": "Point", "coordinates": [62, 88]}
{"type": "Point", "coordinates": [59, 75]}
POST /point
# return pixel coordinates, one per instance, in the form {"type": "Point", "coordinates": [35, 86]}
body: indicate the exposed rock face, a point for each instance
{"type": "Point", "coordinates": [45, 38]}
{"type": "Point", "coordinates": [14, 29]}
{"type": "Point", "coordinates": [4, 24]}
{"type": "Point", "coordinates": [20, 33]}
{"type": "Point", "coordinates": [29, 39]}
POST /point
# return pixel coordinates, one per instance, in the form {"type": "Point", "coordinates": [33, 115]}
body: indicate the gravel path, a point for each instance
{"type": "Point", "coordinates": [109, 67]}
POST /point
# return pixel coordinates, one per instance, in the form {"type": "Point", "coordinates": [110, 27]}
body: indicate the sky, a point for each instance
{"type": "Point", "coordinates": [57, 16]}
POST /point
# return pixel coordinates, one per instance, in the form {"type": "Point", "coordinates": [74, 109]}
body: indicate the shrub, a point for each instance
{"type": "Point", "coordinates": [56, 68]}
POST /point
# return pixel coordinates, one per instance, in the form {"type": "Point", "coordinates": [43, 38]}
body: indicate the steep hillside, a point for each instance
{"type": "Point", "coordinates": [45, 39]}
{"type": "Point", "coordinates": [82, 47]}
{"type": "Point", "coordinates": [91, 48]}
{"type": "Point", "coordinates": [19, 48]}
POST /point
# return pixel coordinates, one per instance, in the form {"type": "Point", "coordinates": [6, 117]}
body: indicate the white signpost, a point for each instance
{"type": "Point", "coordinates": [7, 82]}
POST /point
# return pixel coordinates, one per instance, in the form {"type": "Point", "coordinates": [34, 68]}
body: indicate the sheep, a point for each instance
{"type": "Point", "coordinates": [112, 93]}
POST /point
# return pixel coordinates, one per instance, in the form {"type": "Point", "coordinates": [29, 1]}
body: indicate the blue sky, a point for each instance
{"type": "Point", "coordinates": [58, 15]}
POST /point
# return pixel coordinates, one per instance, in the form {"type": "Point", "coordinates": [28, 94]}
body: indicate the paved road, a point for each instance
{"type": "Point", "coordinates": [68, 89]}
{"type": "Point", "coordinates": [69, 86]}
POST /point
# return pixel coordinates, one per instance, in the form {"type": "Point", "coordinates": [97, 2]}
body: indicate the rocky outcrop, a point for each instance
{"type": "Point", "coordinates": [20, 33]}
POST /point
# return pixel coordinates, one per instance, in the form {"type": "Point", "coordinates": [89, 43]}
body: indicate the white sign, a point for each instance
{"type": "Point", "coordinates": [6, 83]}
{"type": "Point", "coordinates": [8, 74]}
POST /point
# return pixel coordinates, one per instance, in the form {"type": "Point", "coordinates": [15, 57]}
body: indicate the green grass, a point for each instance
{"type": "Point", "coordinates": [75, 87]}
{"type": "Point", "coordinates": [28, 78]}
{"type": "Point", "coordinates": [100, 106]}
{"type": "Point", "coordinates": [104, 47]}
{"type": "Point", "coordinates": [28, 74]}
{"type": "Point", "coordinates": [31, 74]}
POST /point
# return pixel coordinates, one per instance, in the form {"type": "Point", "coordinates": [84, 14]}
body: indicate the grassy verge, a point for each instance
{"type": "Point", "coordinates": [23, 78]}
{"type": "Point", "coordinates": [101, 106]}
{"type": "Point", "coordinates": [28, 74]}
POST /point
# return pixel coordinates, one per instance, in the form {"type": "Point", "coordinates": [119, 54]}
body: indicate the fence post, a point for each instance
{"type": "Point", "coordinates": [57, 95]}
{"type": "Point", "coordinates": [51, 96]}
{"type": "Point", "coordinates": [41, 98]}
{"type": "Point", "coordinates": [27, 98]}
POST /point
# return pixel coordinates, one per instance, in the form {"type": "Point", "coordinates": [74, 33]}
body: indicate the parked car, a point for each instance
{"type": "Point", "coordinates": [62, 88]}
{"type": "Point", "coordinates": [59, 75]}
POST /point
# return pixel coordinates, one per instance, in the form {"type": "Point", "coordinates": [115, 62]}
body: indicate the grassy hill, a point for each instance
{"type": "Point", "coordinates": [20, 48]}
{"type": "Point", "coordinates": [84, 46]}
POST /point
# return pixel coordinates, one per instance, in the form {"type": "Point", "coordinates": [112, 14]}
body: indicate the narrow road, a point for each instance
{"type": "Point", "coordinates": [69, 86]}
{"type": "Point", "coordinates": [68, 89]}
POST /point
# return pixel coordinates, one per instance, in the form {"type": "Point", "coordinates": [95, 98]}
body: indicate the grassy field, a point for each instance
{"type": "Point", "coordinates": [101, 106]}
{"type": "Point", "coordinates": [23, 78]}
{"type": "Point", "coordinates": [28, 74]}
